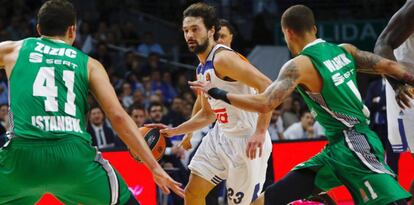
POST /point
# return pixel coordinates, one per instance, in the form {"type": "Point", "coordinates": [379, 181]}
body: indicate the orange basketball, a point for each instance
{"type": "Point", "coordinates": [156, 142]}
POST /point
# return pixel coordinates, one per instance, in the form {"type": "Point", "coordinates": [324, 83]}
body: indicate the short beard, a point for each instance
{"type": "Point", "coordinates": [199, 48]}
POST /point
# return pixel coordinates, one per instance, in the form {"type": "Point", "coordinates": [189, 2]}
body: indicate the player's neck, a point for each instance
{"type": "Point", "coordinates": [202, 57]}
{"type": "Point", "coordinates": [57, 38]}
{"type": "Point", "coordinates": [306, 40]}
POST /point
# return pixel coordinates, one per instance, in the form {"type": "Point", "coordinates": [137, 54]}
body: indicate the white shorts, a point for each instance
{"type": "Point", "coordinates": [221, 158]}
{"type": "Point", "coordinates": [400, 123]}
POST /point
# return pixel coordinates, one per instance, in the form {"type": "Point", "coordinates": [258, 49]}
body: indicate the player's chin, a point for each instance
{"type": "Point", "coordinates": [192, 47]}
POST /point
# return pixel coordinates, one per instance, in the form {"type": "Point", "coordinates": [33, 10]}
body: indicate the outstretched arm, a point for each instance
{"type": "Point", "coordinates": [370, 63]}
{"type": "Point", "coordinates": [103, 91]}
{"type": "Point", "coordinates": [288, 79]}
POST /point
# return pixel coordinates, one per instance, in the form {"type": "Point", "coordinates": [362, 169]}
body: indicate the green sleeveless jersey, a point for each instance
{"type": "Point", "coordinates": [48, 91]}
{"type": "Point", "coordinates": [338, 106]}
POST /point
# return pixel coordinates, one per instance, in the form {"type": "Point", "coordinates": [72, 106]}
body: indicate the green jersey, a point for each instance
{"type": "Point", "coordinates": [338, 106]}
{"type": "Point", "coordinates": [49, 91]}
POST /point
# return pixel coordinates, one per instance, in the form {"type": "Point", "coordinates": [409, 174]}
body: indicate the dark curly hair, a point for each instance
{"type": "Point", "coordinates": [207, 13]}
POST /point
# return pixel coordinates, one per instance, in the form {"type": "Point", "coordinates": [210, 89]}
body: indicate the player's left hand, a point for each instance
{"type": "Point", "coordinates": [404, 95]}
{"type": "Point", "coordinates": [166, 183]}
{"type": "Point", "coordinates": [255, 142]}
{"type": "Point", "coordinates": [200, 86]}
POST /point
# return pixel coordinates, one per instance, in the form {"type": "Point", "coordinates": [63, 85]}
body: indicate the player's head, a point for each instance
{"type": "Point", "coordinates": [226, 33]}
{"type": "Point", "coordinates": [57, 18]}
{"type": "Point", "coordinates": [297, 23]}
{"type": "Point", "coordinates": [200, 26]}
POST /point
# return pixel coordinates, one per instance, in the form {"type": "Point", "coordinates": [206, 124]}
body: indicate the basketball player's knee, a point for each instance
{"type": "Point", "coordinates": [192, 192]}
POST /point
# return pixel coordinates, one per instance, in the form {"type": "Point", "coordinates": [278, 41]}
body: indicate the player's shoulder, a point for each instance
{"type": "Point", "coordinates": [225, 56]}
{"type": "Point", "coordinates": [301, 65]}
{"type": "Point", "coordinates": [349, 48]}
{"type": "Point", "coordinates": [93, 63]}
{"type": "Point", "coordinates": [9, 46]}
{"type": "Point", "coordinates": [301, 61]}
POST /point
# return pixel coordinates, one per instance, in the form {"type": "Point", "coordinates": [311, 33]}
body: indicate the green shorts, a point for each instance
{"type": "Point", "coordinates": [356, 160]}
{"type": "Point", "coordinates": [70, 169]}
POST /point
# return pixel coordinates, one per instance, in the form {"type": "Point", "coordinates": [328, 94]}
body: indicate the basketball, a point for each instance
{"type": "Point", "coordinates": [155, 141]}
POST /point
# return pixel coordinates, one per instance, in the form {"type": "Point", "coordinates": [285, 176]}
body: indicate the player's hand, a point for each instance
{"type": "Point", "coordinates": [404, 95]}
{"type": "Point", "coordinates": [165, 130]}
{"type": "Point", "coordinates": [186, 142]}
{"type": "Point", "coordinates": [255, 142]}
{"type": "Point", "coordinates": [200, 86]}
{"type": "Point", "coordinates": [166, 183]}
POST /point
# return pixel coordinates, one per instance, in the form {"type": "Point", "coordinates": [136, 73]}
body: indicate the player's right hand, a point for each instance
{"type": "Point", "coordinates": [166, 183]}
{"type": "Point", "coordinates": [165, 130]}
{"type": "Point", "coordinates": [404, 95]}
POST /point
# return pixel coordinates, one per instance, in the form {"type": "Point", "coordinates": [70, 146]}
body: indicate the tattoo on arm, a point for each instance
{"type": "Point", "coordinates": [284, 85]}
{"type": "Point", "coordinates": [366, 62]}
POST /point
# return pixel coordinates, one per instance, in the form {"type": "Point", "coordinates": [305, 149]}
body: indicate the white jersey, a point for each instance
{"type": "Point", "coordinates": [401, 122]}
{"type": "Point", "coordinates": [232, 121]}
{"type": "Point", "coordinates": [405, 52]}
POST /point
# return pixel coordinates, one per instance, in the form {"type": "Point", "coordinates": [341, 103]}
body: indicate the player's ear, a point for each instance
{"type": "Point", "coordinates": [315, 30]}
{"type": "Point", "coordinates": [211, 32]}
{"type": "Point", "coordinates": [71, 32]}
{"type": "Point", "coordinates": [288, 33]}
{"type": "Point", "coordinates": [38, 30]}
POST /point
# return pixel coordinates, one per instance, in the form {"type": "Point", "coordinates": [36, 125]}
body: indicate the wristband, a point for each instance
{"type": "Point", "coordinates": [219, 94]}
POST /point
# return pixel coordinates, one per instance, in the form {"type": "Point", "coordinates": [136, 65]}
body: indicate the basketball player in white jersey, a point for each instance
{"type": "Point", "coordinates": [238, 147]}
{"type": "Point", "coordinates": [396, 42]}
{"type": "Point", "coordinates": [226, 34]}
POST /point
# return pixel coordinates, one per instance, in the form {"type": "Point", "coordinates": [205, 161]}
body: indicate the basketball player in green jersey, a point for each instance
{"type": "Point", "coordinates": [325, 75]}
{"type": "Point", "coordinates": [49, 149]}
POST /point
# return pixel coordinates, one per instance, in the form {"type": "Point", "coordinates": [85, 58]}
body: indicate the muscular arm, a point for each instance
{"type": "Point", "coordinates": [369, 62]}
{"type": "Point", "coordinates": [288, 79]}
{"type": "Point", "coordinates": [399, 28]}
{"type": "Point", "coordinates": [121, 122]}
{"type": "Point", "coordinates": [228, 63]}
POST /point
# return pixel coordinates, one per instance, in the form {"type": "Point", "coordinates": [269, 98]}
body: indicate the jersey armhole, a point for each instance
{"type": "Point", "coordinates": [317, 70]}
{"type": "Point", "coordinates": [23, 44]}
{"type": "Point", "coordinates": [212, 62]}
